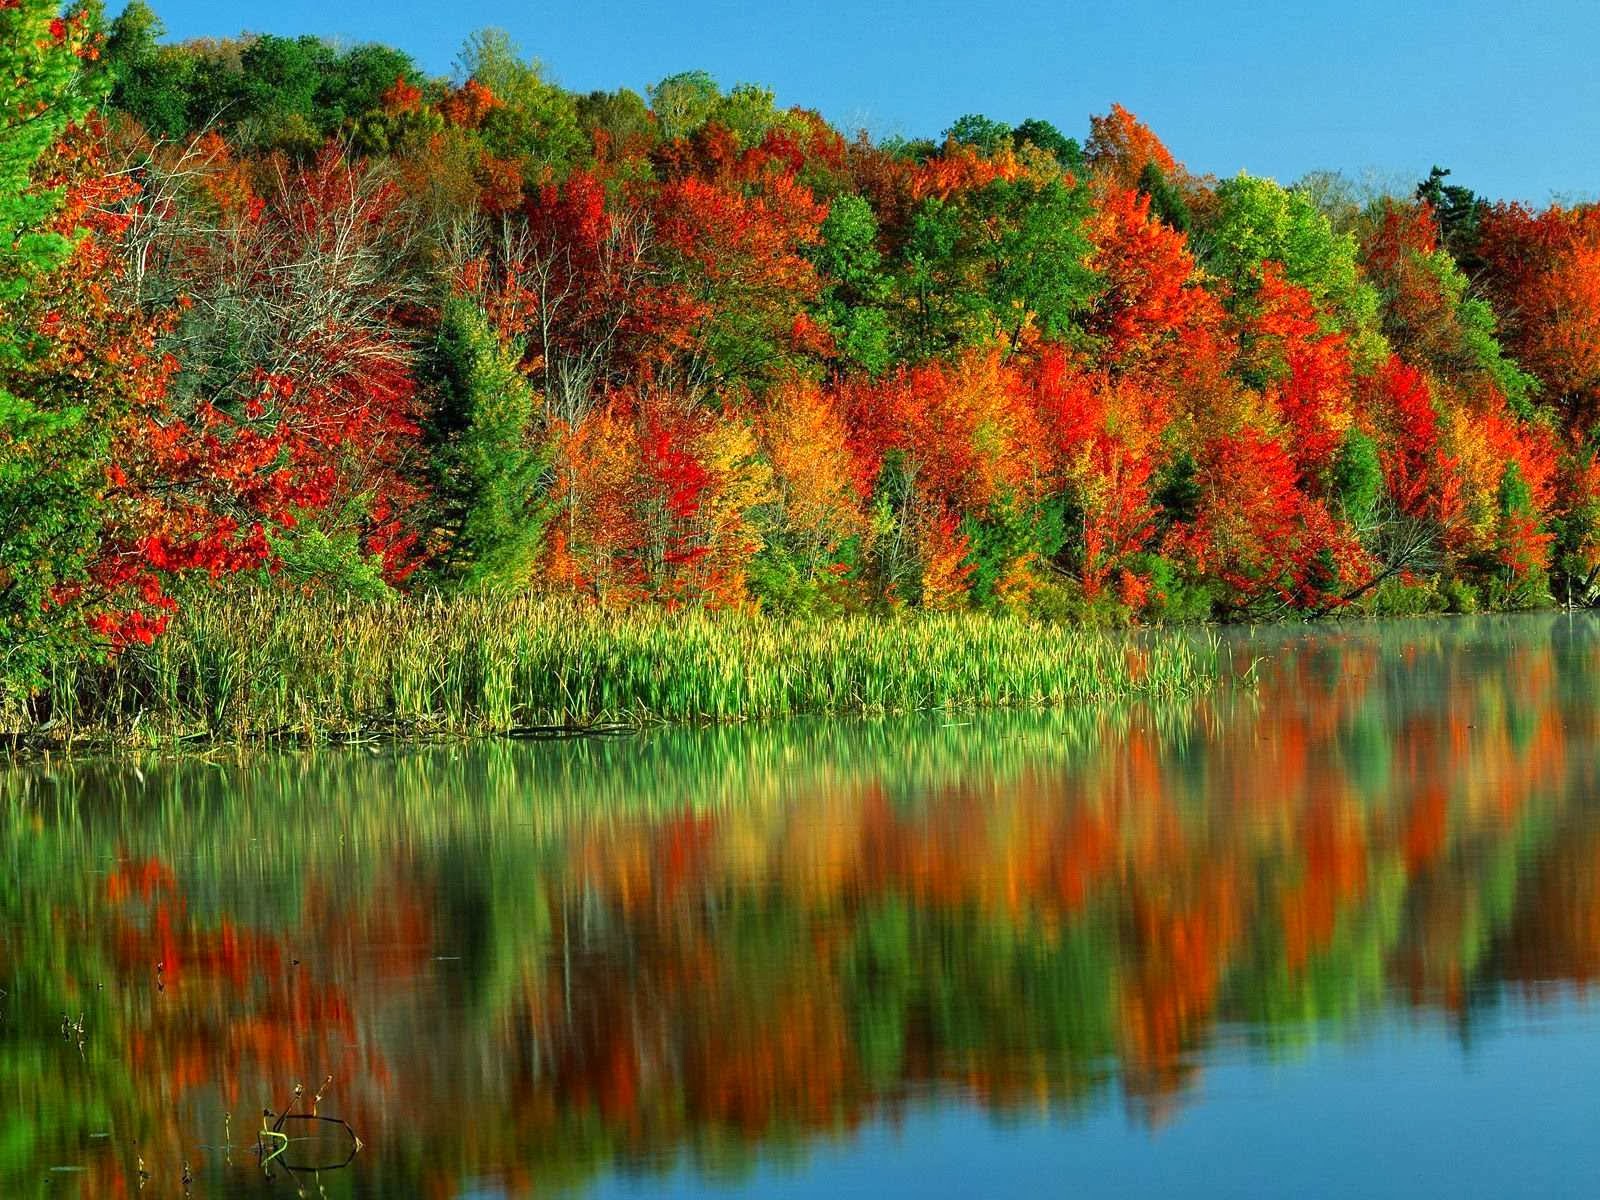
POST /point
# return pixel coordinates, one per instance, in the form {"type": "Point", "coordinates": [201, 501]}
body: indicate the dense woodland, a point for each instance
{"type": "Point", "coordinates": [282, 313]}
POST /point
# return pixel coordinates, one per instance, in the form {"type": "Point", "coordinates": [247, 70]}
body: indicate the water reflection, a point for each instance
{"type": "Point", "coordinates": [528, 967]}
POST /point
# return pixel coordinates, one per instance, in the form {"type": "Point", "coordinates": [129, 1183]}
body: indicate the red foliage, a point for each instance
{"type": "Point", "coordinates": [1260, 534]}
{"type": "Point", "coordinates": [1401, 403]}
{"type": "Point", "coordinates": [469, 104]}
{"type": "Point", "coordinates": [1151, 313]}
{"type": "Point", "coordinates": [401, 98]}
{"type": "Point", "coordinates": [1121, 146]}
{"type": "Point", "coordinates": [1308, 368]}
{"type": "Point", "coordinates": [1543, 271]}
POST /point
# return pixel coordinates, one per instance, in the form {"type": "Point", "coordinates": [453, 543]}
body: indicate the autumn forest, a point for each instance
{"type": "Point", "coordinates": [284, 315]}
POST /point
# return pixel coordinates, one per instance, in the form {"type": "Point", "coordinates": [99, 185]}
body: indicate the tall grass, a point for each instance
{"type": "Point", "coordinates": [267, 666]}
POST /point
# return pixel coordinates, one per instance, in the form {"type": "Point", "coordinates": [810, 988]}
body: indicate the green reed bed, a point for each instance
{"type": "Point", "coordinates": [267, 666]}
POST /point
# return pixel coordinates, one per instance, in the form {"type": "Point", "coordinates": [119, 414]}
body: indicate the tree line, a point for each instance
{"type": "Point", "coordinates": [301, 316]}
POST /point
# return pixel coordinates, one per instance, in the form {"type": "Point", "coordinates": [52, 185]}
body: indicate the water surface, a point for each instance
{"type": "Point", "coordinates": [1334, 938]}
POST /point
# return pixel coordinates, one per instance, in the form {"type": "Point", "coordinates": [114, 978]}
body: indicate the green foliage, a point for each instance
{"type": "Point", "coordinates": [1515, 498]}
{"type": "Point", "coordinates": [980, 132]}
{"type": "Point", "coordinates": [1575, 530]}
{"type": "Point", "coordinates": [939, 308]}
{"type": "Point", "coordinates": [1007, 533]}
{"type": "Point", "coordinates": [1061, 601]}
{"type": "Point", "coordinates": [1176, 598]}
{"type": "Point", "coordinates": [1458, 333]}
{"type": "Point", "coordinates": [360, 77]}
{"type": "Point", "coordinates": [683, 102]}
{"type": "Point", "coordinates": [537, 120]}
{"type": "Point", "coordinates": [1177, 491]}
{"type": "Point", "coordinates": [993, 262]}
{"type": "Point", "coordinates": [273, 92]}
{"type": "Point", "coordinates": [786, 583]}
{"type": "Point", "coordinates": [909, 149]}
{"type": "Point", "coordinates": [1044, 135]}
{"type": "Point", "coordinates": [854, 285]}
{"type": "Point", "coordinates": [51, 471]}
{"type": "Point", "coordinates": [328, 561]}
{"type": "Point", "coordinates": [292, 93]}
{"type": "Point", "coordinates": [1395, 597]}
{"type": "Point", "coordinates": [1482, 346]}
{"type": "Point", "coordinates": [748, 111]}
{"type": "Point", "coordinates": [1166, 201]}
{"type": "Point", "coordinates": [622, 115]}
{"type": "Point", "coordinates": [1258, 221]}
{"type": "Point", "coordinates": [1037, 254]}
{"type": "Point", "coordinates": [488, 469]}
{"type": "Point", "coordinates": [1510, 588]}
{"type": "Point", "coordinates": [280, 78]}
{"type": "Point", "coordinates": [1508, 592]}
{"type": "Point", "coordinates": [1459, 595]}
{"type": "Point", "coordinates": [1357, 478]}
{"type": "Point", "coordinates": [1458, 210]}
{"type": "Point", "coordinates": [688, 101]}
{"type": "Point", "coordinates": [1476, 339]}
{"type": "Point", "coordinates": [152, 83]}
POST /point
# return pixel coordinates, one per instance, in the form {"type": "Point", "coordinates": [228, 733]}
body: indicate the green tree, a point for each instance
{"type": "Point", "coordinates": [50, 459]}
{"type": "Point", "coordinates": [1357, 478]}
{"type": "Point", "coordinates": [991, 262]}
{"type": "Point", "coordinates": [1166, 201]}
{"type": "Point", "coordinates": [1458, 210]}
{"type": "Point", "coordinates": [151, 83]}
{"type": "Point", "coordinates": [749, 111]}
{"type": "Point", "coordinates": [358, 81]}
{"type": "Point", "coordinates": [277, 88]}
{"type": "Point", "coordinates": [537, 119]}
{"type": "Point", "coordinates": [1037, 248]}
{"type": "Point", "coordinates": [854, 285]}
{"type": "Point", "coordinates": [1006, 533]}
{"type": "Point", "coordinates": [980, 132]}
{"type": "Point", "coordinates": [1258, 221]}
{"type": "Point", "coordinates": [683, 102]}
{"type": "Point", "coordinates": [622, 115]}
{"type": "Point", "coordinates": [488, 469]}
{"type": "Point", "coordinates": [1044, 135]}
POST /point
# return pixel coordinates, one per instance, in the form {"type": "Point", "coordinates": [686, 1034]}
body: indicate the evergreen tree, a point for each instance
{"type": "Point", "coordinates": [1166, 201]}
{"type": "Point", "coordinates": [1458, 211]}
{"type": "Point", "coordinates": [489, 470]}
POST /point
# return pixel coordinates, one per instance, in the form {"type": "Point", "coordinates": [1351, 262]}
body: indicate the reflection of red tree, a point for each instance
{"type": "Point", "coordinates": [1334, 873]}
{"type": "Point", "coordinates": [1181, 945]}
{"type": "Point", "coordinates": [699, 973]}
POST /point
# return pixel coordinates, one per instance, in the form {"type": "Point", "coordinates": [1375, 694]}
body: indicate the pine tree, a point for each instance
{"type": "Point", "coordinates": [489, 470]}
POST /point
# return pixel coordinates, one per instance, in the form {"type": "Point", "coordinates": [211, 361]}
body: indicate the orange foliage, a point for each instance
{"type": "Point", "coordinates": [1121, 146]}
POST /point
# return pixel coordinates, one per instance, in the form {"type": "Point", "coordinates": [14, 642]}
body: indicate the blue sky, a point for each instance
{"type": "Point", "coordinates": [1502, 92]}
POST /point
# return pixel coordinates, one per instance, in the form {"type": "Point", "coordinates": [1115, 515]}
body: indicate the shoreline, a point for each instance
{"type": "Point", "coordinates": [267, 670]}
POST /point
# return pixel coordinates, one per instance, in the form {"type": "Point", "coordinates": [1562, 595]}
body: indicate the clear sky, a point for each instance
{"type": "Point", "coordinates": [1507, 94]}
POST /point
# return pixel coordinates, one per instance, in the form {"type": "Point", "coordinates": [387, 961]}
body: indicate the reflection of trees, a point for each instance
{"type": "Point", "coordinates": [710, 942]}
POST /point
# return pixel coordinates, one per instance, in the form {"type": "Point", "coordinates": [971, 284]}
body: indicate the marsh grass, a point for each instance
{"type": "Point", "coordinates": [269, 667]}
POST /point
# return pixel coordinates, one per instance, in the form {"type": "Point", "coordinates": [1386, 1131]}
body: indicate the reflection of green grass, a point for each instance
{"type": "Point", "coordinates": [981, 990]}
{"type": "Point", "coordinates": [270, 667]}
{"type": "Point", "coordinates": [297, 807]}
{"type": "Point", "coordinates": [508, 849]}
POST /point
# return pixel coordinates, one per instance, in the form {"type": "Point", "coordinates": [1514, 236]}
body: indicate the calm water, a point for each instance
{"type": "Point", "coordinates": [1335, 939]}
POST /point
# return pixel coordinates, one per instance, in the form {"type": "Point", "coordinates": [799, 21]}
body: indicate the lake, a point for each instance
{"type": "Point", "coordinates": [1336, 936]}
